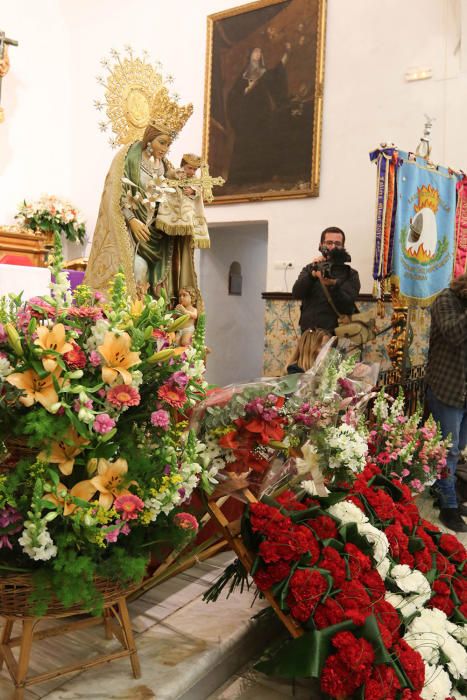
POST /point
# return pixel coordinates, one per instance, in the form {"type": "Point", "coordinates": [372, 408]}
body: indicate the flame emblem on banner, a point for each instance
{"type": "Point", "coordinates": [423, 234]}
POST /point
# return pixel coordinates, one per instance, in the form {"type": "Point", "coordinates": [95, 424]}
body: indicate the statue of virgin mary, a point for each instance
{"type": "Point", "coordinates": [126, 237]}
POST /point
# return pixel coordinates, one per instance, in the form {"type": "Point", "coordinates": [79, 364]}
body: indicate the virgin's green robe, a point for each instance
{"type": "Point", "coordinates": [169, 257]}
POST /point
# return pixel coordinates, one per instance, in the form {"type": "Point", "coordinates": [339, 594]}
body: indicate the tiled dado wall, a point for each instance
{"type": "Point", "coordinates": [282, 332]}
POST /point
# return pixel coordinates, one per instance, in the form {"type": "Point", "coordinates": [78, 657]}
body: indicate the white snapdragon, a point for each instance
{"type": "Point", "coordinates": [136, 378]}
{"type": "Point", "coordinates": [5, 367]}
{"type": "Point", "coordinates": [189, 352]}
{"type": "Point", "coordinates": [36, 540]}
{"type": "Point", "coordinates": [380, 408]}
{"type": "Point", "coordinates": [97, 335]}
{"type": "Point", "coordinates": [194, 369]}
{"type": "Point", "coordinates": [175, 491]}
{"type": "Point", "coordinates": [60, 290]}
{"type": "Point", "coordinates": [398, 407]}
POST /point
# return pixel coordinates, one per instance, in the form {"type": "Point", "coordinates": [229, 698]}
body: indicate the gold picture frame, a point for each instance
{"type": "Point", "coordinates": [263, 100]}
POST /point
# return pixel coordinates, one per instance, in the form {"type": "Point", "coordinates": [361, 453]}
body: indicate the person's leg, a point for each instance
{"type": "Point", "coordinates": [451, 420]}
{"type": "Point", "coordinates": [463, 432]}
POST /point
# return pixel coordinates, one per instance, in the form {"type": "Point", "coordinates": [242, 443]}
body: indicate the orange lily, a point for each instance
{"type": "Point", "coordinates": [61, 500]}
{"type": "Point", "coordinates": [57, 499]}
{"type": "Point", "coordinates": [108, 482]}
{"type": "Point", "coordinates": [64, 451]}
{"type": "Point", "coordinates": [52, 339]}
{"type": "Point", "coordinates": [35, 388]}
{"type": "Point", "coordinates": [118, 356]}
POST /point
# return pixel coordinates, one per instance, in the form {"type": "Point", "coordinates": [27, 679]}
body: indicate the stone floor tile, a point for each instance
{"type": "Point", "coordinates": [241, 688]}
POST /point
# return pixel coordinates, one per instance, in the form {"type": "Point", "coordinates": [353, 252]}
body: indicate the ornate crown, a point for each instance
{"type": "Point", "coordinates": [192, 159]}
{"type": "Point", "coordinates": [136, 96]}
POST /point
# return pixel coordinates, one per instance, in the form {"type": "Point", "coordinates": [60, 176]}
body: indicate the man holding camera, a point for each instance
{"type": "Point", "coordinates": [329, 272]}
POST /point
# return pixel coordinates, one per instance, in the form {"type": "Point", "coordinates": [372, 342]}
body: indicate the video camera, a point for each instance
{"type": "Point", "coordinates": [332, 256]}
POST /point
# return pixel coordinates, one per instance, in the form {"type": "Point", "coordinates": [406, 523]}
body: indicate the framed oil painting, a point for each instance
{"type": "Point", "coordinates": [264, 99]}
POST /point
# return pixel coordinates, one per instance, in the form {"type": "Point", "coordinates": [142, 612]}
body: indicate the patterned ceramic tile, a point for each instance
{"type": "Point", "coordinates": [282, 332]}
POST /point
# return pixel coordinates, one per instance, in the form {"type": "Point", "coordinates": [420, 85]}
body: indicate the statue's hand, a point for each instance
{"type": "Point", "coordinates": [139, 230]}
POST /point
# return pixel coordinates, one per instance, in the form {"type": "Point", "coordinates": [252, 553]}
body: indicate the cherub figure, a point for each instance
{"type": "Point", "coordinates": [187, 299]}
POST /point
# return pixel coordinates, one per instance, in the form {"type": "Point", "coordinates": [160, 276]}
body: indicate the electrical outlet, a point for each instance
{"type": "Point", "coordinates": [284, 265]}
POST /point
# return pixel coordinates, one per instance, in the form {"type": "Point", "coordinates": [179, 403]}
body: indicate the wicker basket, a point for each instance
{"type": "Point", "coordinates": [15, 591]}
{"type": "Point", "coordinates": [16, 449]}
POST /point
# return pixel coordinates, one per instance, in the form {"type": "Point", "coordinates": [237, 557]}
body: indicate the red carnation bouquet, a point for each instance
{"type": "Point", "coordinates": [368, 580]}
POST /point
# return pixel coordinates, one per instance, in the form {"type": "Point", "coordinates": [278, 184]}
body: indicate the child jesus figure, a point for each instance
{"type": "Point", "coordinates": [182, 212]}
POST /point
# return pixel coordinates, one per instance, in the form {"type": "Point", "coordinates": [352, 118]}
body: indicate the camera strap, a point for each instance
{"type": "Point", "coordinates": [330, 301]}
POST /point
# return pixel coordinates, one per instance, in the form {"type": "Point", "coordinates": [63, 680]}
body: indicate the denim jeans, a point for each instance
{"type": "Point", "coordinates": [452, 420]}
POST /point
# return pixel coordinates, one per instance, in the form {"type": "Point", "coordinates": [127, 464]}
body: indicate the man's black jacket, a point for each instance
{"type": "Point", "coordinates": [315, 309]}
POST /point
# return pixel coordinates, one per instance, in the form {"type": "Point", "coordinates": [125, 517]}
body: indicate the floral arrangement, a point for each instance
{"type": "Point", "coordinates": [99, 460]}
{"type": "Point", "coordinates": [380, 593]}
{"type": "Point", "coordinates": [50, 213]}
{"type": "Point", "coordinates": [336, 537]}
{"type": "Point", "coordinates": [406, 447]}
{"type": "Point", "coordinates": [312, 415]}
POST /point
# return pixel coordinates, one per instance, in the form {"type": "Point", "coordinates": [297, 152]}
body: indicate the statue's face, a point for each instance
{"type": "Point", "coordinates": [184, 297]}
{"type": "Point", "coordinates": [190, 170]}
{"type": "Point", "coordinates": [160, 145]}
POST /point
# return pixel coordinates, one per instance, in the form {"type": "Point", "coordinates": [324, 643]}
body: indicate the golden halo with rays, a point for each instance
{"type": "Point", "coordinates": [135, 95]}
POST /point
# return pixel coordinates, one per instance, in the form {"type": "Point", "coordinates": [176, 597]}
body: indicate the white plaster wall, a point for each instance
{"type": "Point", "coordinates": [49, 91]}
{"type": "Point", "coordinates": [35, 144]}
{"type": "Point", "coordinates": [235, 323]}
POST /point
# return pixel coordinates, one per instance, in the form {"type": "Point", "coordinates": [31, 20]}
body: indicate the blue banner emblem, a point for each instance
{"type": "Point", "coordinates": [424, 229]}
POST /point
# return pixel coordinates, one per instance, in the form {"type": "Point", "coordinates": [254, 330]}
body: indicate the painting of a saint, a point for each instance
{"type": "Point", "coordinates": [264, 99]}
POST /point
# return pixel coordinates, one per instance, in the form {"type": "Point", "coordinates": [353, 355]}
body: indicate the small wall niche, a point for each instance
{"type": "Point", "coordinates": [235, 279]}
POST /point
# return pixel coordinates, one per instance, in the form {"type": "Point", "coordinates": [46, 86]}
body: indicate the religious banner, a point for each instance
{"type": "Point", "coordinates": [460, 256]}
{"type": "Point", "coordinates": [386, 159]}
{"type": "Point", "coordinates": [423, 252]}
